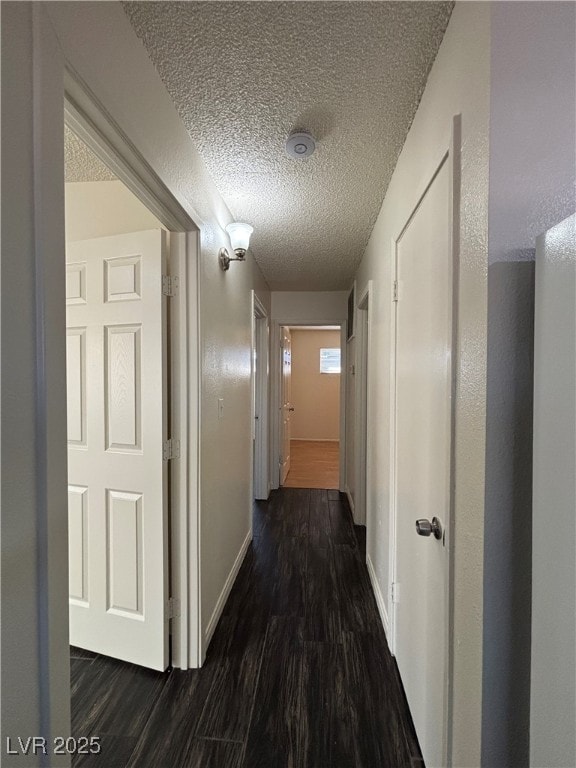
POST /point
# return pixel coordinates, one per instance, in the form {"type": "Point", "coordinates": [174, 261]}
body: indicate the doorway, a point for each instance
{"type": "Point", "coordinates": [311, 407]}
{"type": "Point", "coordinates": [422, 458]}
{"type": "Point", "coordinates": [117, 385]}
{"type": "Point", "coordinates": [260, 378]}
{"type": "Point", "coordinates": [145, 363]}
{"type": "Point", "coordinates": [362, 408]}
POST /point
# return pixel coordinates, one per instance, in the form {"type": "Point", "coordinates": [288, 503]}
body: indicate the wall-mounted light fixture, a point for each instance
{"type": "Point", "coordinates": [239, 239]}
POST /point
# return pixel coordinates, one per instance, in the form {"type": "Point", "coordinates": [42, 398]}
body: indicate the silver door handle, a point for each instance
{"type": "Point", "coordinates": [426, 528]}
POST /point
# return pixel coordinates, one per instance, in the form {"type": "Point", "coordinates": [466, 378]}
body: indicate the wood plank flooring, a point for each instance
{"type": "Point", "coordinates": [298, 673]}
{"type": "Point", "coordinates": [314, 464]}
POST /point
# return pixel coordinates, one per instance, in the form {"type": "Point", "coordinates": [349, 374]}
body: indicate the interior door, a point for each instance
{"type": "Point", "coordinates": [116, 374]}
{"type": "Point", "coordinates": [287, 407]}
{"type": "Point", "coordinates": [422, 460]}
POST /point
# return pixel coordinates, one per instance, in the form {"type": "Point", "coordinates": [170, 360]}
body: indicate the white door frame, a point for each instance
{"type": "Point", "coordinates": [90, 122]}
{"type": "Point", "coordinates": [452, 156]}
{"type": "Point", "coordinates": [276, 395]}
{"type": "Point", "coordinates": [260, 378]}
{"type": "Point", "coordinates": [362, 403]}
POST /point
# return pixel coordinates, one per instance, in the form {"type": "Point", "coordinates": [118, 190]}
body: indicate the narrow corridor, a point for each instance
{"type": "Point", "coordinates": [298, 674]}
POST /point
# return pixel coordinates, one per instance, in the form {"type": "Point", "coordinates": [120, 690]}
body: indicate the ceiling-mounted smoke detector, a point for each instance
{"type": "Point", "coordinates": [300, 144]}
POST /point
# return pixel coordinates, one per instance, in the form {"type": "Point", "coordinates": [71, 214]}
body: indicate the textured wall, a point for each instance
{"type": "Point", "coordinates": [315, 395]}
{"type": "Point", "coordinates": [458, 83]}
{"type": "Point", "coordinates": [532, 187]}
{"type": "Point", "coordinates": [553, 674]}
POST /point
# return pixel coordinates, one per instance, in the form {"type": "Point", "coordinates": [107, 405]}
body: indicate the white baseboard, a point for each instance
{"type": "Point", "coordinates": [226, 590]}
{"type": "Point", "coordinates": [379, 597]}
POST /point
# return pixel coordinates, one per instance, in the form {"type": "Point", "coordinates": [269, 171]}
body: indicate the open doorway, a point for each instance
{"type": "Point", "coordinates": [132, 369]}
{"type": "Point", "coordinates": [260, 371]}
{"type": "Point", "coordinates": [118, 413]}
{"type": "Point", "coordinates": [311, 407]}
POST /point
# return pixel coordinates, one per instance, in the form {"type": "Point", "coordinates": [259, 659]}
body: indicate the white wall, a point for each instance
{"type": "Point", "coordinates": [102, 208]}
{"type": "Point", "coordinates": [532, 187]}
{"type": "Point", "coordinates": [553, 672]}
{"type": "Point", "coordinates": [226, 444]}
{"type": "Point", "coordinates": [96, 41]}
{"type": "Point", "coordinates": [309, 307]}
{"type": "Point", "coordinates": [315, 395]}
{"type": "Point", "coordinates": [458, 83]}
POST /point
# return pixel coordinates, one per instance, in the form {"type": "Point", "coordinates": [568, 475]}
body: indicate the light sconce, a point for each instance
{"type": "Point", "coordinates": [239, 239]}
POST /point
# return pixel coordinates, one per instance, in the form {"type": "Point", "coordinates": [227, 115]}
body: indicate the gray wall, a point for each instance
{"type": "Point", "coordinates": [35, 678]}
{"type": "Point", "coordinates": [532, 174]}
{"type": "Point", "coordinates": [553, 671]}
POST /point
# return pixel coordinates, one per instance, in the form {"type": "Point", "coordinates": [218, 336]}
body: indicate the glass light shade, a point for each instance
{"type": "Point", "coordinates": [239, 235]}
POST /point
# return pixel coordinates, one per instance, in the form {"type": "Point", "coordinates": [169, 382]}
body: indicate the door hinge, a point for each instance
{"type": "Point", "coordinates": [171, 450]}
{"type": "Point", "coordinates": [173, 608]}
{"type": "Point", "coordinates": [394, 592]}
{"type": "Point", "coordinates": [395, 291]}
{"type": "Point", "coordinates": [169, 285]}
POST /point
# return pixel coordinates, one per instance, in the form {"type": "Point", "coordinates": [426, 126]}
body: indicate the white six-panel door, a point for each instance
{"type": "Point", "coordinates": [116, 376]}
{"type": "Point", "coordinates": [422, 460]}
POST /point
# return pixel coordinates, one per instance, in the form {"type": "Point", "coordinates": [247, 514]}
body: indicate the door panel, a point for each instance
{"type": "Point", "coordinates": [116, 369]}
{"type": "Point", "coordinates": [286, 402]}
{"type": "Point", "coordinates": [422, 459]}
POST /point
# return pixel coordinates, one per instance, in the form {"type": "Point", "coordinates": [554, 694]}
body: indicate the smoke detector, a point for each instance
{"type": "Point", "coordinates": [300, 144]}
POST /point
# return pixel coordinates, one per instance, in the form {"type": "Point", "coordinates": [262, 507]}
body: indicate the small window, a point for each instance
{"type": "Point", "coordinates": [329, 360]}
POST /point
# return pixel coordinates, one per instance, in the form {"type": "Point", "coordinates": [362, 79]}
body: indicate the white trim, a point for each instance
{"type": "Point", "coordinates": [275, 395]}
{"type": "Point", "coordinates": [177, 430]}
{"type": "Point", "coordinates": [259, 401]}
{"type": "Point", "coordinates": [343, 377]}
{"type": "Point", "coordinates": [91, 122]}
{"type": "Point", "coordinates": [361, 415]}
{"type": "Point", "coordinates": [185, 470]}
{"type": "Point", "coordinates": [380, 602]}
{"type": "Point", "coordinates": [275, 402]}
{"type": "Point", "coordinates": [221, 602]}
{"type": "Point", "coordinates": [455, 155]}
{"type": "Point", "coordinates": [392, 480]}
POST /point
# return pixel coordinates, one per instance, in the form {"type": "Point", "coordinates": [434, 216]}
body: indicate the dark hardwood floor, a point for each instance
{"type": "Point", "coordinates": [298, 673]}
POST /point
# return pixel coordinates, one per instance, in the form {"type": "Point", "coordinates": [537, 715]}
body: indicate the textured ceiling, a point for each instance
{"type": "Point", "coordinates": [81, 164]}
{"type": "Point", "coordinates": [243, 75]}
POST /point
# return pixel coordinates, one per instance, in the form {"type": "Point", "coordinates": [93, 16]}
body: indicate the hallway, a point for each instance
{"type": "Point", "coordinates": [298, 672]}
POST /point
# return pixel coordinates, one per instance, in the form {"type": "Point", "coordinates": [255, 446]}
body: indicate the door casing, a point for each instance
{"type": "Point", "coordinates": [276, 394]}
{"type": "Point", "coordinates": [260, 378]}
